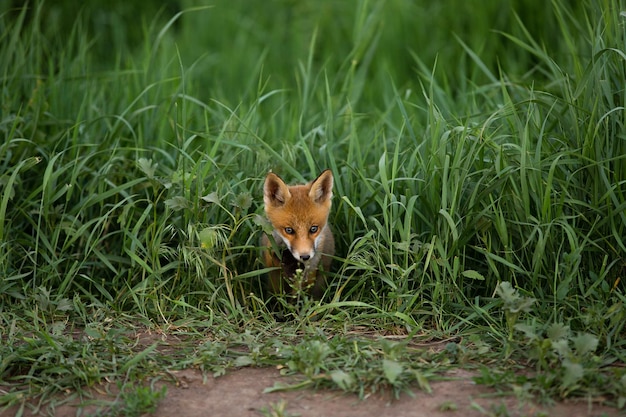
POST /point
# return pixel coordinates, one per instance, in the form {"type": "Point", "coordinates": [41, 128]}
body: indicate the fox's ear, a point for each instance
{"type": "Point", "coordinates": [275, 191]}
{"type": "Point", "coordinates": [322, 187]}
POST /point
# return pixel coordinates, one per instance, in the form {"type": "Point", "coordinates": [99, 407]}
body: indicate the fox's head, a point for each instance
{"type": "Point", "coordinates": [299, 213]}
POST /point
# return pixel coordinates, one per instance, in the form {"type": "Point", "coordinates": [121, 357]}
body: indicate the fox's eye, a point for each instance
{"type": "Point", "coordinates": [313, 229]}
{"type": "Point", "coordinates": [289, 230]}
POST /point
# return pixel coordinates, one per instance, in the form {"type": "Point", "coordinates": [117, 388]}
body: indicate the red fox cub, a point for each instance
{"type": "Point", "coordinates": [299, 215]}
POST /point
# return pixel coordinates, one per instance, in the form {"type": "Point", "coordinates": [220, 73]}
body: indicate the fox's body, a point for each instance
{"type": "Point", "coordinates": [299, 215]}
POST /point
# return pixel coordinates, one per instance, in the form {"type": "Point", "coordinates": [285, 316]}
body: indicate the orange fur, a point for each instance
{"type": "Point", "coordinates": [299, 215]}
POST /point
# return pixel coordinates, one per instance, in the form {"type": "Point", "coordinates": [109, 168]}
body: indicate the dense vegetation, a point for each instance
{"type": "Point", "coordinates": [471, 146]}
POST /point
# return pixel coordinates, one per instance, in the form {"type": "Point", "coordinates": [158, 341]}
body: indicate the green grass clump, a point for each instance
{"type": "Point", "coordinates": [482, 146]}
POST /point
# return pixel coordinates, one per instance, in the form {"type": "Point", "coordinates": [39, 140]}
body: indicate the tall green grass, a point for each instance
{"type": "Point", "coordinates": [470, 146]}
{"type": "Point", "coordinates": [511, 167]}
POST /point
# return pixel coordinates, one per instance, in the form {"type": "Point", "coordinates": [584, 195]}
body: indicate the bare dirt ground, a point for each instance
{"type": "Point", "coordinates": [241, 393]}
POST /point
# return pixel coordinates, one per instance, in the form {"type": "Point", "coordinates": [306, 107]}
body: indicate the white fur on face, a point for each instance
{"type": "Point", "coordinates": [294, 252]}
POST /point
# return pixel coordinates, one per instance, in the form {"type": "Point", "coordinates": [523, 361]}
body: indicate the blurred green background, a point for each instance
{"type": "Point", "coordinates": [230, 41]}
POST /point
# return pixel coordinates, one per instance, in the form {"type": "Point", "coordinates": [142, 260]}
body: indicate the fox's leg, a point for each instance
{"type": "Point", "coordinates": [272, 261]}
{"type": "Point", "coordinates": [318, 282]}
{"type": "Point", "coordinates": [309, 279]}
{"type": "Point", "coordinates": [319, 277]}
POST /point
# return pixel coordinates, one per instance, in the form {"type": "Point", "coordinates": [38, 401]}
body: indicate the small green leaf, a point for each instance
{"type": "Point", "coordinates": [180, 176]}
{"type": "Point", "coordinates": [471, 274]}
{"type": "Point", "coordinates": [243, 201]}
{"type": "Point", "coordinates": [344, 380]}
{"type": "Point", "coordinates": [480, 346]}
{"type": "Point", "coordinates": [506, 291]}
{"type": "Point", "coordinates": [64, 304]}
{"type": "Point", "coordinates": [208, 238]}
{"type": "Point", "coordinates": [211, 198]}
{"type": "Point", "coordinates": [178, 203]}
{"type": "Point", "coordinates": [243, 361]}
{"type": "Point", "coordinates": [392, 370]}
{"type": "Point", "coordinates": [561, 347]}
{"type": "Point", "coordinates": [93, 333]}
{"type": "Point", "coordinates": [524, 304]}
{"type": "Point", "coordinates": [422, 381]}
{"type": "Point", "coordinates": [585, 343]}
{"type": "Point", "coordinates": [147, 167]}
{"type": "Point", "coordinates": [264, 223]}
{"type": "Point", "coordinates": [557, 331]}
{"type": "Point", "coordinates": [58, 327]}
{"type": "Point", "coordinates": [529, 331]}
{"type": "Point", "coordinates": [573, 373]}
{"type": "Point", "coordinates": [513, 301]}
{"type": "Point", "coordinates": [562, 290]}
{"type": "Point", "coordinates": [4, 180]}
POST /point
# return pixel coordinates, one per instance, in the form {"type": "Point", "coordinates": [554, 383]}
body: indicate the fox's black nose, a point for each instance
{"type": "Point", "coordinates": [305, 257]}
